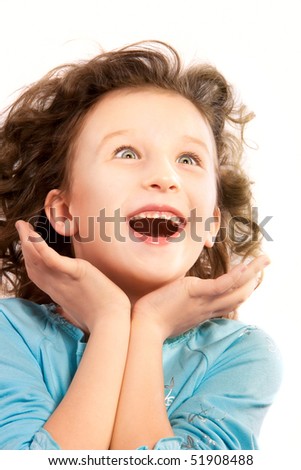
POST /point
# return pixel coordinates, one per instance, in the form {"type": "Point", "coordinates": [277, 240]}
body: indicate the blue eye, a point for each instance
{"type": "Point", "coordinates": [189, 159]}
{"type": "Point", "coordinates": [126, 153]}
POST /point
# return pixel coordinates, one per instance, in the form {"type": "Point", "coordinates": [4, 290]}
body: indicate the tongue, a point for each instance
{"type": "Point", "coordinates": [154, 227]}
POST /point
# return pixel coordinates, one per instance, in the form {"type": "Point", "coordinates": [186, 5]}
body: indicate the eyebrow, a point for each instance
{"type": "Point", "coordinates": [115, 134]}
{"type": "Point", "coordinates": [187, 138]}
{"type": "Point", "coordinates": [197, 141]}
{"type": "Point", "coordinates": [111, 135]}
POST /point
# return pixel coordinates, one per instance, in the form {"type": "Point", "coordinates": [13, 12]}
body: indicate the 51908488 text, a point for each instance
{"type": "Point", "coordinates": [219, 459]}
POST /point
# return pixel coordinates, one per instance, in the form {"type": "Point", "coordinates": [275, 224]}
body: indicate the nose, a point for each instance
{"type": "Point", "coordinates": [162, 178]}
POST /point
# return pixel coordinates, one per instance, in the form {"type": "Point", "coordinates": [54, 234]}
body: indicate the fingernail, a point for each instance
{"type": "Point", "coordinates": [34, 237]}
{"type": "Point", "coordinates": [267, 261]}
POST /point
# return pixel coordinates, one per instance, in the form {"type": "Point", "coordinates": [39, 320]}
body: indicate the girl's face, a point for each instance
{"type": "Point", "coordinates": [142, 200]}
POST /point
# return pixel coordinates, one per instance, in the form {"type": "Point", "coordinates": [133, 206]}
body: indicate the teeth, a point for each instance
{"type": "Point", "coordinates": [158, 215]}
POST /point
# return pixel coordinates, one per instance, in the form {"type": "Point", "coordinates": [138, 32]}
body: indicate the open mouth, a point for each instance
{"type": "Point", "coordinates": [157, 224]}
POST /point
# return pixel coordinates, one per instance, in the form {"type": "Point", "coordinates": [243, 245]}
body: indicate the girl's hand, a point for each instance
{"type": "Point", "coordinates": [185, 303]}
{"type": "Point", "coordinates": [84, 294]}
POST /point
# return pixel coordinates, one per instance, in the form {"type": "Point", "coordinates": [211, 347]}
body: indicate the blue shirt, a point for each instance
{"type": "Point", "coordinates": [220, 379]}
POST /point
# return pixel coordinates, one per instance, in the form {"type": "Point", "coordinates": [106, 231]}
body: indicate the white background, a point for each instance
{"type": "Point", "coordinates": [256, 44]}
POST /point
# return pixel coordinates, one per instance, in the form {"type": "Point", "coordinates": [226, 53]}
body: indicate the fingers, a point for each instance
{"type": "Point", "coordinates": [28, 247]}
{"type": "Point", "coordinates": [227, 303]}
{"type": "Point", "coordinates": [41, 259]}
{"type": "Point", "coordinates": [217, 287]}
{"type": "Point", "coordinates": [253, 271]}
{"type": "Point", "coordinates": [238, 276]}
{"type": "Point", "coordinates": [23, 229]}
{"type": "Point", "coordinates": [246, 284]}
{"type": "Point", "coordinates": [36, 252]}
{"type": "Point", "coordinates": [32, 243]}
{"type": "Point", "coordinates": [228, 281]}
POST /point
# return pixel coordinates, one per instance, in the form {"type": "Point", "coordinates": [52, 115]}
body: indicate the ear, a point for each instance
{"type": "Point", "coordinates": [57, 211]}
{"type": "Point", "coordinates": [212, 226]}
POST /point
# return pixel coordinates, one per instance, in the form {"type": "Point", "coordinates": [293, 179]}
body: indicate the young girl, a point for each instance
{"type": "Point", "coordinates": [124, 212]}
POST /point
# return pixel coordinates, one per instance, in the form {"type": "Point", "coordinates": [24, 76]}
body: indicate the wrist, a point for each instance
{"type": "Point", "coordinates": [115, 318]}
{"type": "Point", "coordinates": [148, 326]}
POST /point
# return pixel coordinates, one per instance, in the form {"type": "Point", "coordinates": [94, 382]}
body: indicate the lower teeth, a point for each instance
{"type": "Point", "coordinates": [155, 228]}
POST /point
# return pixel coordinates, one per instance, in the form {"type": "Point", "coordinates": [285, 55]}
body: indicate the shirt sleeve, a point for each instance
{"type": "Point", "coordinates": [228, 406]}
{"type": "Point", "coordinates": [25, 401]}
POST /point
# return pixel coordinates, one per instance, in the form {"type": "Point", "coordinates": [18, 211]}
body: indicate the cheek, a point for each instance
{"type": "Point", "coordinates": [204, 198]}
{"type": "Point", "coordinates": [203, 212]}
{"type": "Point", "coordinates": [90, 194]}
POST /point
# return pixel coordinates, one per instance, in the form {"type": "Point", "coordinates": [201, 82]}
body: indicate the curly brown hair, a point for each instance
{"type": "Point", "coordinates": [38, 131]}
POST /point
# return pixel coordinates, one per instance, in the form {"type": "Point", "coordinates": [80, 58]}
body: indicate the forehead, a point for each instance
{"type": "Point", "coordinates": [151, 113]}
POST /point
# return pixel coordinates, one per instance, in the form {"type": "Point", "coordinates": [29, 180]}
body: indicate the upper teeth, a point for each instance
{"type": "Point", "coordinates": [158, 215]}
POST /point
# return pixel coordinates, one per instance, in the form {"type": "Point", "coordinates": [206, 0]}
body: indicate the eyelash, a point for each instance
{"type": "Point", "coordinates": [192, 155]}
{"type": "Point", "coordinates": [125, 147]}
